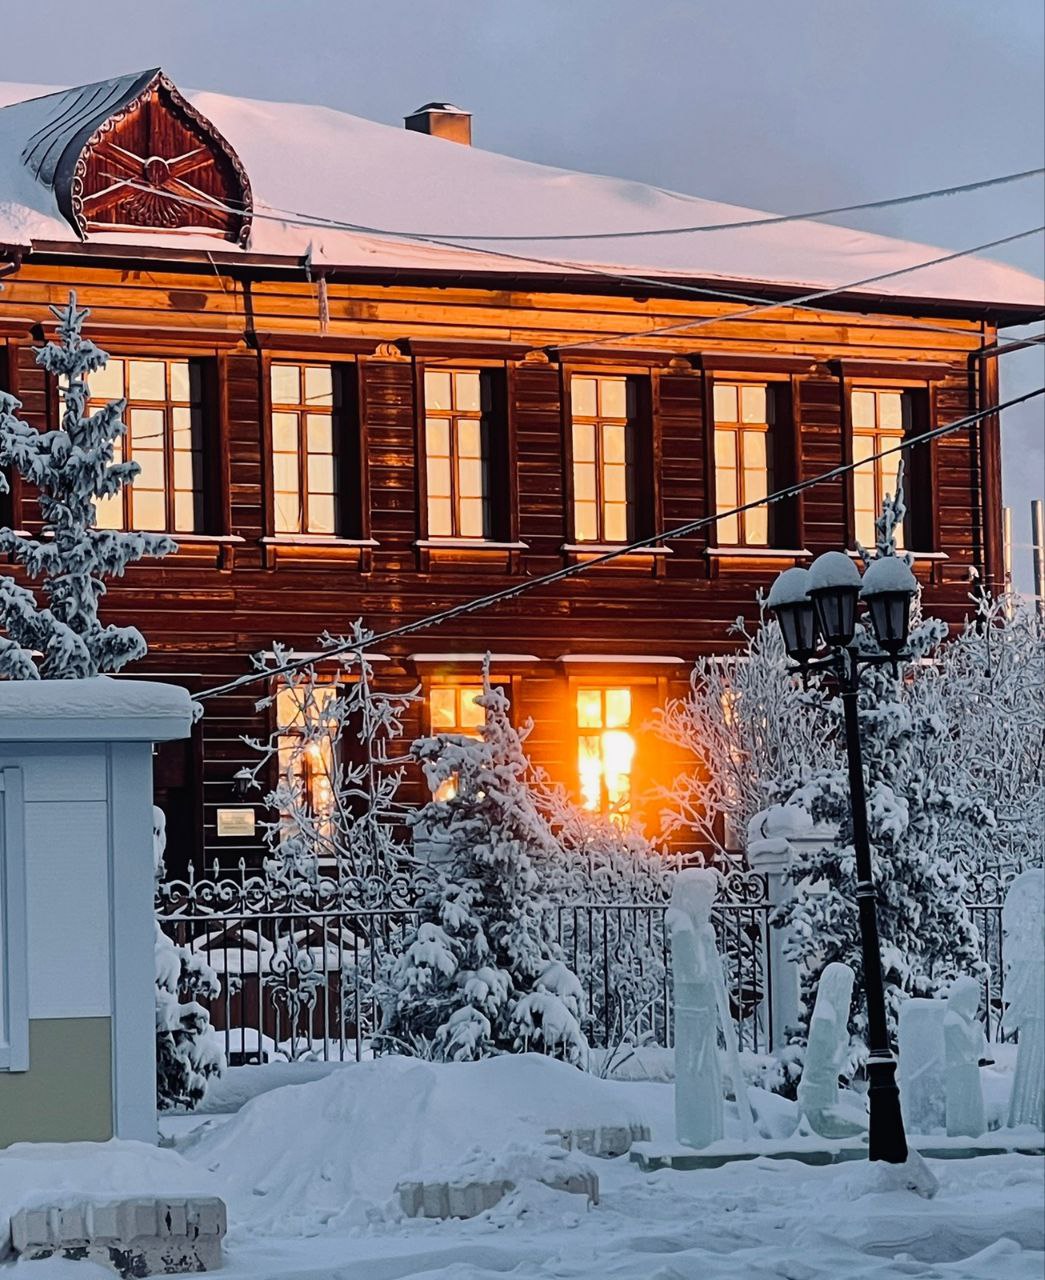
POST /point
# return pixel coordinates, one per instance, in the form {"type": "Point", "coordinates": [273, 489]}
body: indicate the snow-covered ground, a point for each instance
{"type": "Point", "coordinates": [308, 1173]}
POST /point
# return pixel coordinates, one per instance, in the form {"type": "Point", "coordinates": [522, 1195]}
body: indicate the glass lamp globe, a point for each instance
{"type": "Point", "coordinates": [888, 588]}
{"type": "Point", "coordinates": [834, 588]}
{"type": "Point", "coordinates": [790, 603]}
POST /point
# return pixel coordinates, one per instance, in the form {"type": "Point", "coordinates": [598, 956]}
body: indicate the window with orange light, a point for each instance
{"type": "Point", "coordinates": [164, 420]}
{"type": "Point", "coordinates": [603, 413]}
{"type": "Point", "coordinates": [880, 420]}
{"type": "Point", "coordinates": [454, 709]}
{"type": "Point", "coordinates": [743, 461]}
{"type": "Point", "coordinates": [306, 745]}
{"type": "Point", "coordinates": [605, 749]}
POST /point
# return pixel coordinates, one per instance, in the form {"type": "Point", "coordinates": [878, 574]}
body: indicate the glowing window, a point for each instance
{"type": "Point", "coordinates": [454, 709]}
{"type": "Point", "coordinates": [164, 420]}
{"type": "Point", "coordinates": [605, 749]}
{"type": "Point", "coordinates": [880, 420]}
{"type": "Point", "coordinates": [743, 461]}
{"type": "Point", "coordinates": [304, 460]}
{"type": "Point", "coordinates": [306, 747]}
{"type": "Point", "coordinates": [456, 453]}
{"type": "Point", "coordinates": [602, 426]}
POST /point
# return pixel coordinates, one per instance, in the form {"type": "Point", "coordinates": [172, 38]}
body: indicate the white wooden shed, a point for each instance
{"type": "Point", "coordinates": [77, 997]}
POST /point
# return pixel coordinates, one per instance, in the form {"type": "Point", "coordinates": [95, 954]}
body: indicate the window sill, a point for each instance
{"type": "Point", "coordinates": [604, 548]}
{"type": "Point", "coordinates": [218, 539]}
{"type": "Point", "coordinates": [917, 555]}
{"type": "Point", "coordinates": [312, 550]}
{"type": "Point", "coordinates": [757, 553]}
{"type": "Point", "coordinates": [316, 540]}
{"type": "Point", "coordinates": [468, 544]}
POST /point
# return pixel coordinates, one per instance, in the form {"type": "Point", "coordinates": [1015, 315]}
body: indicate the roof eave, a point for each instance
{"type": "Point", "coordinates": [1001, 314]}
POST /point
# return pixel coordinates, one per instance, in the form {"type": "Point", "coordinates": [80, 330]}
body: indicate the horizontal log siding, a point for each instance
{"type": "Point", "coordinates": [206, 610]}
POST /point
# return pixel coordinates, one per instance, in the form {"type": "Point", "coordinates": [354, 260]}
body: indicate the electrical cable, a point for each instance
{"type": "Point", "coordinates": [573, 570]}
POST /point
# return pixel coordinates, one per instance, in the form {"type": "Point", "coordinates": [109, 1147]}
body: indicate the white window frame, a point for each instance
{"type": "Point", "coordinates": [14, 960]}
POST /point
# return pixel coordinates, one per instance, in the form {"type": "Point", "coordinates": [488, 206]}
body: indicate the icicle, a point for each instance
{"type": "Point", "coordinates": [324, 306]}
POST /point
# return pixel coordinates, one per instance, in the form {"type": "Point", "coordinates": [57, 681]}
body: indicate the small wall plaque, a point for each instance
{"type": "Point", "coordinates": [236, 822]}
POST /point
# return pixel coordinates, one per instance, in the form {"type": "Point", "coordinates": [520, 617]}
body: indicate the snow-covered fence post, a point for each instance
{"type": "Point", "coordinates": [771, 837]}
{"type": "Point", "coordinates": [77, 925]}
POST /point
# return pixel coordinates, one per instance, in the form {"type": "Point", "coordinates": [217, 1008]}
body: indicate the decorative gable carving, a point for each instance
{"type": "Point", "coordinates": [135, 154]}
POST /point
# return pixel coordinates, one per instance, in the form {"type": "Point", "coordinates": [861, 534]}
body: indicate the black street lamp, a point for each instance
{"type": "Point", "coordinates": [824, 600]}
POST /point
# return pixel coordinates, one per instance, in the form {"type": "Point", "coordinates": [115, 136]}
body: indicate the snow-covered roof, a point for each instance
{"type": "Point", "coordinates": [93, 709]}
{"type": "Point", "coordinates": [329, 165]}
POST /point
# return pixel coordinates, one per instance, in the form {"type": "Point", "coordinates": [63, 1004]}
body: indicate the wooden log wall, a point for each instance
{"type": "Point", "coordinates": [228, 595]}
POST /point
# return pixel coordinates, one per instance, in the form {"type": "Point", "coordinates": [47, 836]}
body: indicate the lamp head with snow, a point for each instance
{"type": "Point", "coordinates": [790, 603]}
{"type": "Point", "coordinates": [834, 588]}
{"type": "Point", "coordinates": [887, 590]}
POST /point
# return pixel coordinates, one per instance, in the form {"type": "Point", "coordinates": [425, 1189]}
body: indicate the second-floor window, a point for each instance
{"type": "Point", "coordinates": [457, 453]}
{"type": "Point", "coordinates": [880, 420]}
{"type": "Point", "coordinates": [164, 419]}
{"type": "Point", "coordinates": [304, 459]}
{"type": "Point", "coordinates": [603, 416]}
{"type": "Point", "coordinates": [743, 461]}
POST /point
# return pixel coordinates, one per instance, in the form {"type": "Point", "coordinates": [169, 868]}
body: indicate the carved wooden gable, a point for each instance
{"type": "Point", "coordinates": [135, 154]}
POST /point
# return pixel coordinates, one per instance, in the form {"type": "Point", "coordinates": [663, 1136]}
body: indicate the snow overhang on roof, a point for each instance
{"type": "Point", "coordinates": [365, 196]}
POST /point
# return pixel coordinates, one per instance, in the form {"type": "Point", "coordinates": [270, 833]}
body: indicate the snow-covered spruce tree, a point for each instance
{"type": "Point", "coordinates": [188, 1053]}
{"type": "Point", "coordinates": [71, 467]}
{"type": "Point", "coordinates": [337, 773]}
{"type": "Point", "coordinates": [478, 974]}
{"type": "Point", "coordinates": [597, 858]}
{"type": "Point", "coordinates": [913, 792]}
{"type": "Point", "coordinates": [747, 722]}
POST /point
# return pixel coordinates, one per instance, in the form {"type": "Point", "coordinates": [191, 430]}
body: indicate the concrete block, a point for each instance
{"type": "Point", "coordinates": [576, 1182]}
{"type": "Point", "coordinates": [468, 1198]}
{"type": "Point", "coordinates": [133, 1238]}
{"type": "Point", "coordinates": [606, 1142]}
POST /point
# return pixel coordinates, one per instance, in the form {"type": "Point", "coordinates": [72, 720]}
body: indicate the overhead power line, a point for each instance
{"type": "Point", "coordinates": [764, 220]}
{"type": "Point", "coordinates": [574, 570]}
{"type": "Point", "coordinates": [803, 299]}
{"type": "Point", "coordinates": [596, 271]}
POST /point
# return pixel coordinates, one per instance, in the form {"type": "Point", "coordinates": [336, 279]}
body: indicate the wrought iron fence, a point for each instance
{"type": "Point", "coordinates": [299, 962]}
{"type": "Point", "coordinates": [621, 954]}
{"type": "Point", "coordinates": [987, 898]}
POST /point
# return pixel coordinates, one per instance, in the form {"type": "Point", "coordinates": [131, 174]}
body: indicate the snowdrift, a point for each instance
{"type": "Point", "coordinates": [327, 1154]}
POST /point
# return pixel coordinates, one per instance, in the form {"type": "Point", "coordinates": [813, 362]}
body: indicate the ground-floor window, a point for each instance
{"type": "Point", "coordinates": [306, 750]}
{"type": "Point", "coordinates": [454, 710]}
{"type": "Point", "coordinates": [605, 749]}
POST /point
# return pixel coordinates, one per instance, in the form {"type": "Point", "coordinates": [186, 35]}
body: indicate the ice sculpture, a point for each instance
{"type": "Point", "coordinates": [964, 1043]}
{"type": "Point", "coordinates": [921, 1072]}
{"type": "Point", "coordinates": [701, 1010]}
{"type": "Point", "coordinates": [1023, 926]}
{"type": "Point", "coordinates": [826, 1051]}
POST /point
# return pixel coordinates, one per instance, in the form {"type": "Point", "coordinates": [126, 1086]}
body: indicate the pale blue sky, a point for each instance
{"type": "Point", "coordinates": [780, 106]}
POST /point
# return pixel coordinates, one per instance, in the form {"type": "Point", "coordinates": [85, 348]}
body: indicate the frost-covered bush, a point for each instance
{"type": "Point", "coordinates": [188, 1053]}
{"type": "Point", "coordinates": [991, 680]}
{"type": "Point", "coordinates": [70, 467]}
{"type": "Point", "coordinates": [338, 770]}
{"type": "Point", "coordinates": [746, 722]}
{"type": "Point", "coordinates": [479, 973]}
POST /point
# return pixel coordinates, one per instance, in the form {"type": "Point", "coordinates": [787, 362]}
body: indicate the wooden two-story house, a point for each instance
{"type": "Point", "coordinates": [372, 373]}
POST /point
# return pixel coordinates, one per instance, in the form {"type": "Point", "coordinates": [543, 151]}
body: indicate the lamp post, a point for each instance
{"type": "Point", "coordinates": [817, 612]}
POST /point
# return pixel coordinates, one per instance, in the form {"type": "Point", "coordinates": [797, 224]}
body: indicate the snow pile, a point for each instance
{"type": "Point", "coordinates": [330, 1153]}
{"type": "Point", "coordinates": [50, 1173]}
